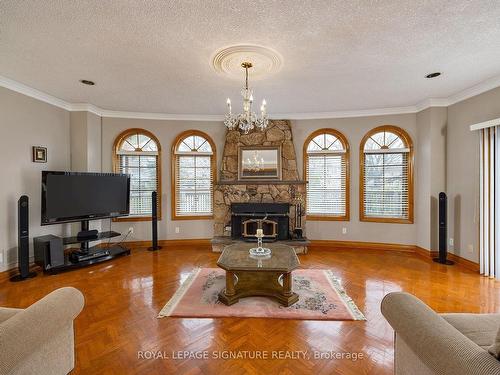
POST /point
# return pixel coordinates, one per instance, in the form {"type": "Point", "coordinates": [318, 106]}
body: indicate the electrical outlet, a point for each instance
{"type": "Point", "coordinates": [470, 248]}
{"type": "Point", "coordinates": [451, 241]}
{"type": "Point", "coordinates": [177, 229]}
{"type": "Point", "coordinates": [131, 230]}
{"type": "Point", "coordinates": [344, 230]}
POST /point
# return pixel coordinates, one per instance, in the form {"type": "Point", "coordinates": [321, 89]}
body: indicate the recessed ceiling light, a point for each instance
{"type": "Point", "coordinates": [433, 75]}
{"type": "Point", "coordinates": [87, 82]}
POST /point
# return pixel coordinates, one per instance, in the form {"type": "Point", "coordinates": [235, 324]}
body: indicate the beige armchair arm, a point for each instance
{"type": "Point", "coordinates": [440, 346]}
{"type": "Point", "coordinates": [30, 329]}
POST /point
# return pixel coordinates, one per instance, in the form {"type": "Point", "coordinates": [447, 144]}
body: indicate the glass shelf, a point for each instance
{"type": "Point", "coordinates": [99, 236]}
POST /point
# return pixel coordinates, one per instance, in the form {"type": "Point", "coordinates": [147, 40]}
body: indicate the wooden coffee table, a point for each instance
{"type": "Point", "coordinates": [251, 276]}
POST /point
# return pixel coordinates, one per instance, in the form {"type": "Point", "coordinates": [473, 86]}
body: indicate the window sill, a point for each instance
{"type": "Point", "coordinates": [134, 218]}
{"type": "Point", "coordinates": [327, 218]}
{"type": "Point", "coordinates": [386, 220]}
{"type": "Point", "coordinates": [192, 217]}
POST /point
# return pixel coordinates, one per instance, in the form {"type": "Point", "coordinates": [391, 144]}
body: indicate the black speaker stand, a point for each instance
{"type": "Point", "coordinates": [446, 261]}
{"type": "Point", "coordinates": [20, 277]}
{"type": "Point", "coordinates": [154, 248]}
{"type": "Point", "coordinates": [154, 222]}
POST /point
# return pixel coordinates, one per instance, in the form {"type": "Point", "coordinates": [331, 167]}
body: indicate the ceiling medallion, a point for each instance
{"type": "Point", "coordinates": [265, 61]}
{"type": "Point", "coordinates": [247, 120]}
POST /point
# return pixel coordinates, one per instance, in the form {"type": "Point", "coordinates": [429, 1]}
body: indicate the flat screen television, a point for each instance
{"type": "Point", "coordinates": [79, 196]}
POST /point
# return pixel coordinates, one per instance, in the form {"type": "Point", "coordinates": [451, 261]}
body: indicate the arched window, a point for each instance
{"type": "Point", "coordinates": [193, 169]}
{"type": "Point", "coordinates": [137, 153]}
{"type": "Point", "coordinates": [386, 176]}
{"type": "Point", "coordinates": [326, 170]}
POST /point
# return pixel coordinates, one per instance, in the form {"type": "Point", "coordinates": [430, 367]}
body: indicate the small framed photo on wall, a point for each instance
{"type": "Point", "coordinates": [39, 154]}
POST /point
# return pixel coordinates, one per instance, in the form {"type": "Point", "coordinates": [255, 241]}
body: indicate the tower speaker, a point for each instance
{"type": "Point", "coordinates": [154, 222]}
{"type": "Point", "coordinates": [23, 241]}
{"type": "Point", "coordinates": [443, 230]}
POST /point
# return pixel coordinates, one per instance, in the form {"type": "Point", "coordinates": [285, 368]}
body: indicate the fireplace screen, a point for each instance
{"type": "Point", "coordinates": [269, 227]}
{"type": "Point", "coordinates": [273, 218]}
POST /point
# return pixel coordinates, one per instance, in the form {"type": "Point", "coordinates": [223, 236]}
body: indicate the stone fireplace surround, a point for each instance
{"type": "Point", "coordinates": [229, 189]}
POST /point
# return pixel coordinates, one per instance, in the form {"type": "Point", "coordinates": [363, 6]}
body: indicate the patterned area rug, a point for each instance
{"type": "Point", "coordinates": [321, 297]}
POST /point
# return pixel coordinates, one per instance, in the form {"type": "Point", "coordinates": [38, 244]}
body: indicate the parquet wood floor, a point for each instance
{"type": "Point", "coordinates": [124, 296]}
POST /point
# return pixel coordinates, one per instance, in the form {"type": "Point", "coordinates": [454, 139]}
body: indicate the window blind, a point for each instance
{"type": "Point", "coordinates": [143, 180]}
{"type": "Point", "coordinates": [326, 188]}
{"type": "Point", "coordinates": [386, 185]}
{"type": "Point", "coordinates": [489, 212]}
{"type": "Point", "coordinates": [193, 185]}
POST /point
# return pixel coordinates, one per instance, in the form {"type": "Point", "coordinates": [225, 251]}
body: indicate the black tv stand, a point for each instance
{"type": "Point", "coordinates": [85, 236]}
{"type": "Point", "coordinates": [87, 255]}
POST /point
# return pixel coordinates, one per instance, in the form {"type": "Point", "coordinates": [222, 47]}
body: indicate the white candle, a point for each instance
{"type": "Point", "coordinates": [260, 233]}
{"type": "Point", "coordinates": [228, 101]}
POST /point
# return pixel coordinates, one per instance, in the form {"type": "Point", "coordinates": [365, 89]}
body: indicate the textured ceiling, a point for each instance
{"type": "Point", "coordinates": [155, 56]}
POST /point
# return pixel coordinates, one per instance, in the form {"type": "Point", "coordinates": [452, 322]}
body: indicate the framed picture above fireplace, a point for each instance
{"type": "Point", "coordinates": [259, 163]}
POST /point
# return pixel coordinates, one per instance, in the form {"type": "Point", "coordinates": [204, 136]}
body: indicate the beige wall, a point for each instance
{"type": "Point", "coordinates": [463, 169]}
{"type": "Point", "coordinates": [166, 132]}
{"type": "Point", "coordinates": [94, 135]}
{"type": "Point", "coordinates": [26, 122]}
{"type": "Point", "coordinates": [423, 178]}
{"type": "Point", "coordinates": [78, 140]}
{"type": "Point", "coordinates": [430, 176]}
{"type": "Point", "coordinates": [354, 129]}
{"type": "Point", "coordinates": [85, 139]}
{"type": "Point", "coordinates": [438, 136]}
{"type": "Point", "coordinates": [443, 142]}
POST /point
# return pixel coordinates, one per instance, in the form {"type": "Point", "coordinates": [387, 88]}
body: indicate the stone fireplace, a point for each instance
{"type": "Point", "coordinates": [229, 192]}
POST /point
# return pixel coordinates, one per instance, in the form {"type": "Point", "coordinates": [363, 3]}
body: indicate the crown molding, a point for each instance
{"type": "Point", "coordinates": [344, 114]}
{"type": "Point", "coordinates": [159, 116]}
{"type": "Point", "coordinates": [432, 102]}
{"type": "Point", "coordinates": [475, 90]}
{"type": "Point", "coordinates": [85, 107]}
{"type": "Point", "coordinates": [33, 93]}
{"type": "Point", "coordinates": [21, 88]}
{"type": "Point", "coordinates": [141, 115]}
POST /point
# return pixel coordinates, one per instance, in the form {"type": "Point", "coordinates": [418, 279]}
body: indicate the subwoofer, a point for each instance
{"type": "Point", "coordinates": [154, 222]}
{"type": "Point", "coordinates": [443, 230]}
{"type": "Point", "coordinates": [23, 241]}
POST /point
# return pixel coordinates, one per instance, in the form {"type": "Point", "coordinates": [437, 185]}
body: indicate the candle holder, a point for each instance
{"type": "Point", "coordinates": [260, 251]}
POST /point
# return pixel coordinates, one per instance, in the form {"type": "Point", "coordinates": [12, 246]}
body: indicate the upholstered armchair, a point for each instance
{"type": "Point", "coordinates": [40, 339]}
{"type": "Point", "coordinates": [448, 344]}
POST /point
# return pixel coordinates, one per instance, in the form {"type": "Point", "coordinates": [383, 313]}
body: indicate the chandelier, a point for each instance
{"type": "Point", "coordinates": [247, 120]}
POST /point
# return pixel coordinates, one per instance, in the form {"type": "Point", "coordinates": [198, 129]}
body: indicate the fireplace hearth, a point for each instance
{"type": "Point", "coordinates": [272, 218]}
